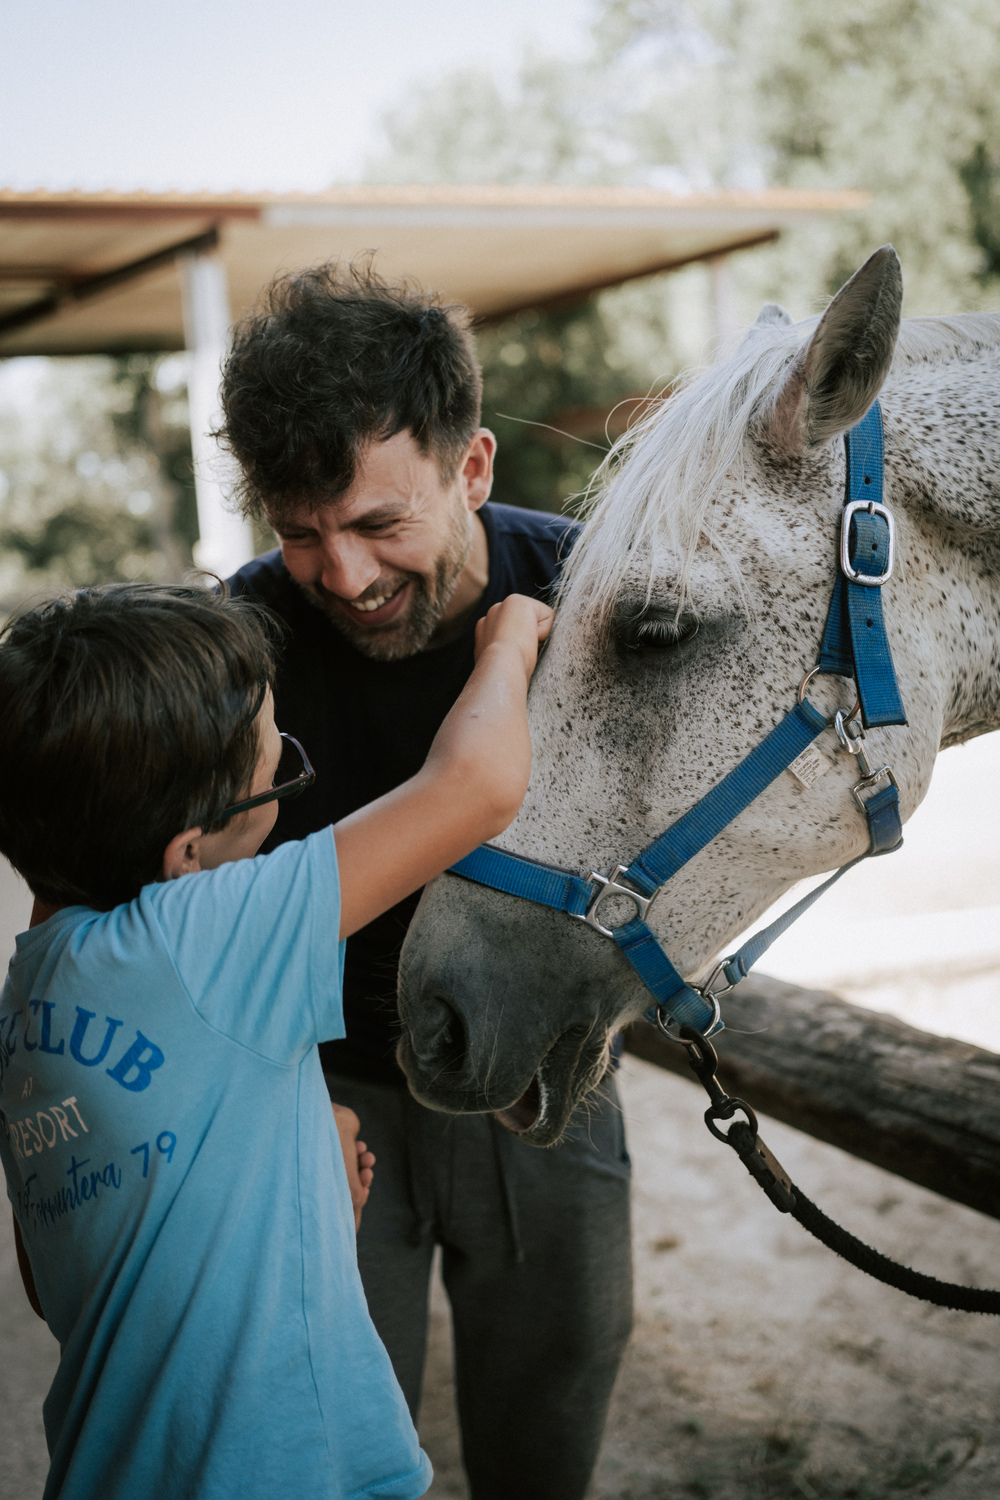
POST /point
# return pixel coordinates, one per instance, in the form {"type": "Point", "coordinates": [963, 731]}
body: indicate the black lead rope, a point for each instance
{"type": "Point", "coordinates": [743, 1137]}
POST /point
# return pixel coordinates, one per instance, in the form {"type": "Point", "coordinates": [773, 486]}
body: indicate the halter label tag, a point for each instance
{"type": "Point", "coordinates": [808, 767]}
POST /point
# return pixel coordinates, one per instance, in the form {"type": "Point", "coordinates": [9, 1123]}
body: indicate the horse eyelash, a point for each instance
{"type": "Point", "coordinates": [664, 632]}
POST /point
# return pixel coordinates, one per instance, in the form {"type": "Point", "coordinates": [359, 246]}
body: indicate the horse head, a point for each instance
{"type": "Point", "coordinates": [692, 607]}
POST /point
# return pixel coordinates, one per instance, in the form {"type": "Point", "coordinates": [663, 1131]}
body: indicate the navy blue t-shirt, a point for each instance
{"type": "Point", "coordinates": [367, 726]}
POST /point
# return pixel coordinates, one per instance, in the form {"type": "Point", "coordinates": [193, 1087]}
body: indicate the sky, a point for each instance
{"type": "Point", "coordinates": [236, 94]}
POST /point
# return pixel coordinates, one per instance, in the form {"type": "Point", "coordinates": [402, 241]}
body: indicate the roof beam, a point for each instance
{"type": "Point", "coordinates": [93, 286]}
{"type": "Point", "coordinates": [655, 268]}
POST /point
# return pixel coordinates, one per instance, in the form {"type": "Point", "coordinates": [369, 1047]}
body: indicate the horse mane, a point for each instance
{"type": "Point", "coordinates": [657, 489]}
{"type": "Point", "coordinates": [938, 340]}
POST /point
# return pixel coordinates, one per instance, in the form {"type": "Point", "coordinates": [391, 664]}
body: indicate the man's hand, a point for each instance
{"type": "Point", "coordinates": [358, 1160]}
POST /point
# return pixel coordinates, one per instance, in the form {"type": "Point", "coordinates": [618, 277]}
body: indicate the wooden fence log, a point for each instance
{"type": "Point", "coordinates": [925, 1107]}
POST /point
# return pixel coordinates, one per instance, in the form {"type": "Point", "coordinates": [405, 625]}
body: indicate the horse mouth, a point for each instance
{"type": "Point", "coordinates": [524, 1114]}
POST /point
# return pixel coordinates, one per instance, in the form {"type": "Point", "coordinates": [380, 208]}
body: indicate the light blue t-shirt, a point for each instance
{"type": "Point", "coordinates": [173, 1163]}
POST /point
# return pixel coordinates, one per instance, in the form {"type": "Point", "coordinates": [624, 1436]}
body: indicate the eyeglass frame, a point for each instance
{"type": "Point", "coordinates": [291, 788]}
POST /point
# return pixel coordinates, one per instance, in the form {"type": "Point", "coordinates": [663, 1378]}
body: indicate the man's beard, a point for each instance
{"type": "Point", "coordinates": [430, 597]}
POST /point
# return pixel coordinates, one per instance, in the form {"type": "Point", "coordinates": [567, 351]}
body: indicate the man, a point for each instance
{"type": "Point", "coordinates": [353, 409]}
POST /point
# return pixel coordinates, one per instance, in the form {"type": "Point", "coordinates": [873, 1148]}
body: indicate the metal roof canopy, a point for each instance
{"type": "Point", "coordinates": [98, 272]}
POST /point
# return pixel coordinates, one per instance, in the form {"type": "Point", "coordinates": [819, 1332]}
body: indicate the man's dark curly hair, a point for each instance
{"type": "Point", "coordinates": [334, 359]}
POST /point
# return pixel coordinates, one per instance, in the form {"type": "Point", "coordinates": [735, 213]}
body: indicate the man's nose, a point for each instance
{"type": "Point", "coordinates": [349, 565]}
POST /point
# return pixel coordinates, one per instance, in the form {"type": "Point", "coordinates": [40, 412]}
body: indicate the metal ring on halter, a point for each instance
{"type": "Point", "coordinates": [710, 1030]}
{"type": "Point", "coordinates": [807, 679]}
{"type": "Point", "coordinates": [709, 990]}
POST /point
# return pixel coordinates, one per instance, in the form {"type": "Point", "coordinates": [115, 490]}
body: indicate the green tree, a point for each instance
{"type": "Point", "coordinates": [96, 482]}
{"type": "Point", "coordinates": [897, 97]}
{"type": "Point", "coordinates": [542, 368]}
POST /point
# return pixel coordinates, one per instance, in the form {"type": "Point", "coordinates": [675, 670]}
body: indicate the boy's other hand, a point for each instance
{"type": "Point", "coordinates": [358, 1160]}
{"type": "Point", "coordinates": [522, 621]}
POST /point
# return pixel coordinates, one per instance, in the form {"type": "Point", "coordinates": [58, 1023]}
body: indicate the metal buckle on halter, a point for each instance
{"type": "Point", "coordinates": [873, 508]}
{"type": "Point", "coordinates": [884, 773]}
{"type": "Point", "coordinates": [612, 886]}
{"type": "Point", "coordinates": [851, 735]}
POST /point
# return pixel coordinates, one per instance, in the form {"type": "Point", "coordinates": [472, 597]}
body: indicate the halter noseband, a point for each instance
{"type": "Point", "coordinates": [854, 644]}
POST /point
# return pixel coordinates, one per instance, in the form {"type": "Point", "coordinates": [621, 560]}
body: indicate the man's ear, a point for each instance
{"type": "Point", "coordinates": [477, 468]}
{"type": "Point", "coordinates": [182, 855]}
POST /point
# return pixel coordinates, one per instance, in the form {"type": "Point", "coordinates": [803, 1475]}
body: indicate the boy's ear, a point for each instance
{"type": "Point", "coordinates": [182, 855]}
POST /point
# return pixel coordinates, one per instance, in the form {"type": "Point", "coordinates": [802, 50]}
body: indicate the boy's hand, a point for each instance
{"type": "Point", "coordinates": [522, 621]}
{"type": "Point", "coordinates": [470, 786]}
{"type": "Point", "coordinates": [358, 1160]}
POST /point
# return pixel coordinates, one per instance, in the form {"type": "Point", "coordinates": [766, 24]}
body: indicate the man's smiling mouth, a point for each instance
{"type": "Point", "coordinates": [369, 606]}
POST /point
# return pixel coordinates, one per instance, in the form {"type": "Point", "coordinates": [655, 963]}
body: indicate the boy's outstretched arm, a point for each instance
{"type": "Point", "coordinates": [468, 789]}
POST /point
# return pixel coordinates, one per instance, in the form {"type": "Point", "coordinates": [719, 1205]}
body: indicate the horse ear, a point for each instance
{"type": "Point", "coordinates": [770, 313]}
{"type": "Point", "coordinates": [834, 379]}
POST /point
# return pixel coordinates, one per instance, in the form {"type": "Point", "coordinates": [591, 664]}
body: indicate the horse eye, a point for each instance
{"type": "Point", "coordinates": [656, 632]}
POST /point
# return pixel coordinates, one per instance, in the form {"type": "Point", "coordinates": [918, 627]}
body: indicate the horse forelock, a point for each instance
{"type": "Point", "coordinates": [656, 493]}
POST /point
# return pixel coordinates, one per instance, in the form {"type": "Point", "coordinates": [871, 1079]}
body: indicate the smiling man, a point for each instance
{"type": "Point", "coordinates": [353, 408]}
{"type": "Point", "coordinates": [391, 523]}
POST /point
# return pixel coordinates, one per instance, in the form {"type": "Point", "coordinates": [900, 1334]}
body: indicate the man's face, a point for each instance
{"type": "Point", "coordinates": [384, 559]}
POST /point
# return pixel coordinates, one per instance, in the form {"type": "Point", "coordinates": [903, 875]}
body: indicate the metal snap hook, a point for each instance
{"type": "Point", "coordinates": [854, 745]}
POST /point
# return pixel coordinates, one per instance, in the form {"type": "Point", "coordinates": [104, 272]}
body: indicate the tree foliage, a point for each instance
{"type": "Point", "coordinates": [896, 97]}
{"type": "Point", "coordinates": [900, 98]}
{"type": "Point", "coordinates": [96, 482]}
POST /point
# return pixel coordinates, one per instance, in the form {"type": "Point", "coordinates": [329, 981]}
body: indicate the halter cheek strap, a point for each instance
{"type": "Point", "coordinates": [854, 644]}
{"type": "Point", "coordinates": [854, 641]}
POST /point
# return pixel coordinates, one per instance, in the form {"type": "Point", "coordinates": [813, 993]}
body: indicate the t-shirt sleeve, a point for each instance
{"type": "Point", "coordinates": [256, 945]}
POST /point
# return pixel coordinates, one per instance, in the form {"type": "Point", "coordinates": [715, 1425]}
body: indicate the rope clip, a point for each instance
{"type": "Point", "coordinates": [742, 1136]}
{"type": "Point", "coordinates": [851, 735]}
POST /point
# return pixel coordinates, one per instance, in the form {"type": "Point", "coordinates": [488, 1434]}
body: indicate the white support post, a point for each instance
{"type": "Point", "coordinates": [723, 302]}
{"type": "Point", "coordinates": [226, 539]}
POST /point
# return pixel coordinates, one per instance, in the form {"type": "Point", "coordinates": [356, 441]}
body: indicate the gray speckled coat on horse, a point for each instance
{"type": "Point", "coordinates": [692, 608]}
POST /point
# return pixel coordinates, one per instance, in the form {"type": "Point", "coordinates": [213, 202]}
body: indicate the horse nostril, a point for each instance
{"type": "Point", "coordinates": [437, 1033]}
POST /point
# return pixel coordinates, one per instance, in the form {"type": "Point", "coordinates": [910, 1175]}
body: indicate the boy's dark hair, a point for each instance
{"type": "Point", "coordinates": [334, 359]}
{"type": "Point", "coordinates": [128, 715]}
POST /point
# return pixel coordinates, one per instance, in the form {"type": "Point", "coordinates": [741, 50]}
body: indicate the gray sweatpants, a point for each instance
{"type": "Point", "coordinates": [536, 1261]}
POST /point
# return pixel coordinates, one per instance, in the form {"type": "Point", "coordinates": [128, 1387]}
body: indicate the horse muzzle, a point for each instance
{"type": "Point", "coordinates": [499, 1027]}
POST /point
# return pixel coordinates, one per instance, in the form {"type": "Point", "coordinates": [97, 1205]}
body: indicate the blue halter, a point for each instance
{"type": "Point", "coordinates": [854, 644]}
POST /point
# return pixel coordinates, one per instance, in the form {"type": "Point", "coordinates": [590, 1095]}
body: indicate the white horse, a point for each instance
{"type": "Point", "coordinates": [692, 607]}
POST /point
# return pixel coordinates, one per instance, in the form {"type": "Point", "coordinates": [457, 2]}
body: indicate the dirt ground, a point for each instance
{"type": "Point", "coordinates": [761, 1366]}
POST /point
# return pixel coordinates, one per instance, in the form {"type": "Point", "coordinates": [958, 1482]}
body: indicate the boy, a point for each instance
{"type": "Point", "coordinates": [167, 1138]}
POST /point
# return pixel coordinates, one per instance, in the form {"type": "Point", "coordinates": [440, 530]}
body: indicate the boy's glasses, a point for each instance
{"type": "Point", "coordinates": [293, 759]}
